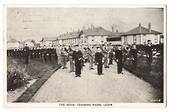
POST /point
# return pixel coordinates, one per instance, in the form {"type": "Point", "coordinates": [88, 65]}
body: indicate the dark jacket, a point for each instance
{"type": "Point", "coordinates": [98, 57]}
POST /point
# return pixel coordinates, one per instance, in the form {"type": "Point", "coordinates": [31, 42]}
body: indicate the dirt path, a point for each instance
{"type": "Point", "coordinates": [63, 86]}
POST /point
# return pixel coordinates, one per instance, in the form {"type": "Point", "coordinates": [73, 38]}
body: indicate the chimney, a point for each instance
{"type": "Point", "coordinates": [92, 26]}
{"type": "Point", "coordinates": [83, 28]}
{"type": "Point", "coordinates": [78, 30]}
{"type": "Point", "coordinates": [149, 27]}
{"type": "Point", "coordinates": [112, 29]}
{"type": "Point", "coordinates": [139, 27]}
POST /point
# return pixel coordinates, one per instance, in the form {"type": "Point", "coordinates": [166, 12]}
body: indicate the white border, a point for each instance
{"type": "Point", "coordinates": [7, 104]}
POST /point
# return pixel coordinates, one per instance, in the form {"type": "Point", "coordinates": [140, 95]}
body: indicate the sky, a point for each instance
{"type": "Point", "coordinates": [35, 23]}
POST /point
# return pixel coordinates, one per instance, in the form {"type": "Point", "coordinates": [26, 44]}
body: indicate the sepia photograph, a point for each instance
{"type": "Point", "coordinates": [85, 55]}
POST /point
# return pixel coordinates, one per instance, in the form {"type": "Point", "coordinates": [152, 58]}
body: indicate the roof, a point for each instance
{"type": "Point", "coordinates": [69, 35]}
{"type": "Point", "coordinates": [141, 30]}
{"type": "Point", "coordinates": [49, 38]}
{"type": "Point", "coordinates": [28, 40]}
{"type": "Point", "coordinates": [98, 31]}
{"type": "Point", "coordinates": [116, 34]}
{"type": "Point", "coordinates": [12, 40]}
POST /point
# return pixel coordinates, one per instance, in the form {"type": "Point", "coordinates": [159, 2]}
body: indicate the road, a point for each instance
{"type": "Point", "coordinates": [63, 86]}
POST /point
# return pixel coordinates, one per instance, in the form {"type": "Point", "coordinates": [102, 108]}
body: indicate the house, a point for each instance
{"type": "Point", "coordinates": [47, 41]}
{"type": "Point", "coordinates": [141, 35]}
{"type": "Point", "coordinates": [13, 43]}
{"type": "Point", "coordinates": [67, 39]}
{"type": "Point", "coordinates": [70, 38]}
{"type": "Point", "coordinates": [115, 38]}
{"type": "Point", "coordinates": [30, 43]}
{"type": "Point", "coordinates": [90, 36]}
{"type": "Point", "coordinates": [94, 36]}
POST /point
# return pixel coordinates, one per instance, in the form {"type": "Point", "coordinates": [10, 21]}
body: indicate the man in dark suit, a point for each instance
{"type": "Point", "coordinates": [119, 56]}
{"type": "Point", "coordinates": [133, 52]}
{"type": "Point", "coordinates": [99, 61]}
{"type": "Point", "coordinates": [149, 52]}
{"type": "Point", "coordinates": [77, 58]}
{"type": "Point", "coordinates": [26, 52]}
{"type": "Point", "coordinates": [111, 57]}
{"type": "Point", "coordinates": [90, 54]}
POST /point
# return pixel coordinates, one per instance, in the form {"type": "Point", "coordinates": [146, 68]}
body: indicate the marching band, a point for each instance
{"type": "Point", "coordinates": [101, 55]}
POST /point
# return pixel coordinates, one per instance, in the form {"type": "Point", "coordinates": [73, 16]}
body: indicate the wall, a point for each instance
{"type": "Point", "coordinates": [96, 39]}
{"type": "Point", "coordinates": [29, 44]}
{"type": "Point", "coordinates": [141, 39]}
{"type": "Point", "coordinates": [154, 38]}
{"type": "Point", "coordinates": [48, 43]}
{"type": "Point", "coordinates": [130, 39]}
{"type": "Point", "coordinates": [115, 42]}
{"type": "Point", "coordinates": [11, 45]}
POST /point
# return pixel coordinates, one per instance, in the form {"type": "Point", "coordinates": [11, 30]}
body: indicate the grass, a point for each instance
{"type": "Point", "coordinates": [32, 70]}
{"type": "Point", "coordinates": [36, 69]}
{"type": "Point", "coordinates": [154, 75]}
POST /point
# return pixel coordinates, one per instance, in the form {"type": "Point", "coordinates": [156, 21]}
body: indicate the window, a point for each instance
{"type": "Point", "coordinates": [156, 39]}
{"type": "Point", "coordinates": [134, 38]}
{"type": "Point", "coordinates": [92, 40]}
{"type": "Point", "coordinates": [125, 38]}
{"type": "Point", "coordinates": [114, 39]}
{"type": "Point", "coordinates": [102, 41]}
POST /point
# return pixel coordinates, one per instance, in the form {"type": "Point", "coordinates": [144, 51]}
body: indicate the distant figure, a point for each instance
{"type": "Point", "coordinates": [77, 57]}
{"type": "Point", "coordinates": [45, 54]}
{"type": "Point", "coordinates": [111, 57]}
{"type": "Point", "coordinates": [54, 56]}
{"type": "Point", "coordinates": [149, 51]}
{"type": "Point", "coordinates": [119, 56]}
{"type": "Point", "coordinates": [133, 52]}
{"type": "Point", "coordinates": [99, 61]}
{"type": "Point", "coordinates": [106, 58]}
{"type": "Point", "coordinates": [26, 54]}
{"type": "Point", "coordinates": [90, 58]}
{"type": "Point", "coordinates": [58, 52]}
{"type": "Point", "coordinates": [63, 57]}
{"type": "Point", "coordinates": [126, 51]}
{"type": "Point", "coordinates": [49, 51]}
{"type": "Point", "coordinates": [85, 54]}
{"type": "Point", "coordinates": [70, 55]}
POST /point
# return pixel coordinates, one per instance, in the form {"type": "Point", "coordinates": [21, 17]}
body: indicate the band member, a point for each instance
{"type": "Point", "coordinates": [14, 53]}
{"type": "Point", "coordinates": [77, 57]}
{"type": "Point", "coordinates": [48, 54]}
{"type": "Point", "coordinates": [85, 54]}
{"type": "Point", "coordinates": [90, 58]}
{"type": "Point", "coordinates": [118, 56]}
{"type": "Point", "coordinates": [63, 57]}
{"type": "Point", "coordinates": [126, 51]}
{"type": "Point", "coordinates": [44, 54]}
{"type": "Point", "coordinates": [70, 55]}
{"type": "Point", "coordinates": [26, 52]}
{"type": "Point", "coordinates": [99, 61]}
{"type": "Point", "coordinates": [111, 57]}
{"type": "Point", "coordinates": [149, 51]}
{"type": "Point", "coordinates": [106, 58]}
{"type": "Point", "coordinates": [58, 51]}
{"type": "Point", "coordinates": [133, 52]}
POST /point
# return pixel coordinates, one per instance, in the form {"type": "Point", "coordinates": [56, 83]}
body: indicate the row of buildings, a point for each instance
{"type": "Point", "coordinates": [99, 35]}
